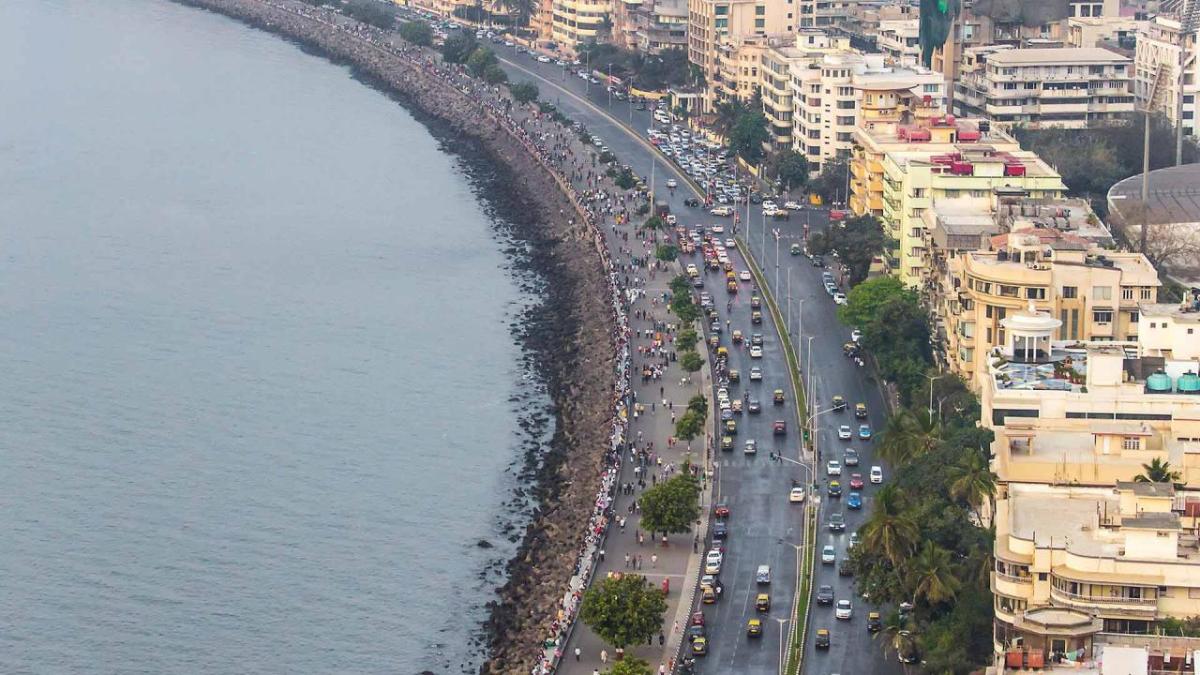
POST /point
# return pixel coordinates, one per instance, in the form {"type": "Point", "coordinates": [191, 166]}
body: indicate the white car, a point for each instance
{"type": "Point", "coordinates": [543, 59]}
{"type": "Point", "coordinates": [844, 609]}
{"type": "Point", "coordinates": [756, 352]}
{"type": "Point", "coordinates": [844, 432]}
{"type": "Point", "coordinates": [717, 229]}
{"type": "Point", "coordinates": [793, 206]}
{"type": "Point", "coordinates": [721, 211]}
{"type": "Point", "coordinates": [755, 373]}
{"type": "Point", "coordinates": [877, 474]}
{"type": "Point", "coordinates": [828, 555]}
{"type": "Point", "coordinates": [729, 243]}
{"type": "Point", "coordinates": [796, 496]}
{"type": "Point", "coordinates": [839, 298]}
{"type": "Point", "coordinates": [744, 275]}
{"type": "Point", "coordinates": [712, 562]}
{"type": "Point", "coordinates": [769, 205]}
{"type": "Point", "coordinates": [751, 447]}
{"type": "Point", "coordinates": [833, 468]}
{"type": "Point", "coordinates": [856, 335]}
{"type": "Point", "coordinates": [671, 183]}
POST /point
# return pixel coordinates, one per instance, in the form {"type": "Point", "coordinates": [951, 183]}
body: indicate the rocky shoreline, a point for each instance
{"type": "Point", "coordinates": [571, 333]}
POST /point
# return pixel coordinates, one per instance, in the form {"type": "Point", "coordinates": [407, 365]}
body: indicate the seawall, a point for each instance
{"type": "Point", "coordinates": [572, 334]}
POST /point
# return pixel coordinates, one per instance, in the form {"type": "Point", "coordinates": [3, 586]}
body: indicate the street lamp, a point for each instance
{"type": "Point", "coordinates": [931, 379]}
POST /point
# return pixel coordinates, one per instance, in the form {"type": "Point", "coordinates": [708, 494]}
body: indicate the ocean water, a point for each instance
{"type": "Point", "coordinates": [257, 367]}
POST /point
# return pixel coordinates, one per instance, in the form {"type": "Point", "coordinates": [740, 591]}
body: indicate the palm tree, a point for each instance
{"type": "Point", "coordinates": [932, 573]}
{"type": "Point", "coordinates": [890, 531]}
{"type": "Point", "coordinates": [1158, 471]}
{"type": "Point", "coordinates": [907, 437]}
{"type": "Point", "coordinates": [973, 481]}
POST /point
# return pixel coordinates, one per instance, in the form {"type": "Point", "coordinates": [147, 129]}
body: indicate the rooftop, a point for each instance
{"type": "Point", "coordinates": [1052, 56]}
{"type": "Point", "coordinates": [1189, 313]}
{"type": "Point", "coordinates": [1147, 489]}
{"type": "Point", "coordinates": [1174, 194]}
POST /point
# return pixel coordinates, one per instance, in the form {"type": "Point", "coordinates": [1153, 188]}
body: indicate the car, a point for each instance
{"type": "Point", "coordinates": [731, 427]}
{"type": "Point", "coordinates": [735, 375]}
{"type": "Point", "coordinates": [779, 428]}
{"type": "Point", "coordinates": [796, 496]}
{"type": "Point", "coordinates": [792, 206]}
{"type": "Point", "coordinates": [721, 211]}
{"type": "Point", "coordinates": [864, 432]}
{"type": "Point", "coordinates": [876, 474]}
{"type": "Point", "coordinates": [756, 339]}
{"type": "Point", "coordinates": [839, 403]}
{"type": "Point", "coordinates": [755, 373]}
{"type": "Point", "coordinates": [755, 301]}
{"type": "Point", "coordinates": [844, 610]}
{"type": "Point", "coordinates": [720, 529]}
{"type": "Point", "coordinates": [696, 631]}
{"type": "Point", "coordinates": [719, 229]}
{"type": "Point", "coordinates": [839, 298]}
{"type": "Point", "coordinates": [856, 481]}
{"type": "Point", "coordinates": [844, 432]}
{"type": "Point", "coordinates": [697, 619]}
{"type": "Point", "coordinates": [822, 638]}
{"type": "Point", "coordinates": [763, 574]}
{"type": "Point", "coordinates": [756, 352]}
{"type": "Point", "coordinates": [818, 261]}
{"type": "Point", "coordinates": [721, 510]}
{"type": "Point", "coordinates": [762, 602]}
{"type": "Point", "coordinates": [860, 410]}
{"type": "Point", "coordinates": [543, 59]}
{"type": "Point", "coordinates": [825, 595]}
{"type": "Point", "coordinates": [700, 646]}
{"type": "Point", "coordinates": [729, 243]}
{"type": "Point", "coordinates": [853, 539]}
{"type": "Point", "coordinates": [672, 183]}
{"type": "Point", "coordinates": [736, 336]}
{"type": "Point", "coordinates": [754, 407]}
{"type": "Point", "coordinates": [744, 275]}
{"type": "Point", "coordinates": [855, 335]}
{"type": "Point", "coordinates": [850, 457]}
{"type": "Point", "coordinates": [854, 501]}
{"type": "Point", "coordinates": [756, 318]}
{"type": "Point", "coordinates": [828, 555]}
{"type": "Point", "coordinates": [727, 442]}
{"type": "Point", "coordinates": [874, 623]}
{"type": "Point", "coordinates": [708, 595]}
{"type": "Point", "coordinates": [844, 568]}
{"type": "Point", "coordinates": [751, 447]}
{"type": "Point", "coordinates": [708, 580]}
{"type": "Point", "coordinates": [837, 522]}
{"type": "Point", "coordinates": [778, 397]}
{"type": "Point", "coordinates": [834, 489]}
{"type": "Point", "coordinates": [712, 562]}
{"type": "Point", "coordinates": [833, 468]}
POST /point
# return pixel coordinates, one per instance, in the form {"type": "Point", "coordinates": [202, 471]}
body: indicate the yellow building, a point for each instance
{"type": "Point", "coordinates": [914, 179]}
{"type": "Point", "coordinates": [575, 22]}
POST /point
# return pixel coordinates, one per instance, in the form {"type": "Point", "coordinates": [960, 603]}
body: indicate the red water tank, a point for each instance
{"type": "Point", "coordinates": [962, 168]}
{"type": "Point", "coordinates": [968, 135]}
{"type": "Point", "coordinates": [1014, 169]}
{"type": "Point", "coordinates": [919, 135]}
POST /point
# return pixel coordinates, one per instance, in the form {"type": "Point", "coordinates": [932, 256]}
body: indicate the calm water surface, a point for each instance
{"type": "Point", "coordinates": [256, 403]}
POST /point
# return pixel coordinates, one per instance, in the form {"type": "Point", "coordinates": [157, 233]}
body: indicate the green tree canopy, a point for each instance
{"type": "Point", "coordinates": [630, 666]}
{"type": "Point", "coordinates": [864, 300]}
{"type": "Point", "coordinates": [790, 168]}
{"type": "Point", "coordinates": [623, 610]}
{"type": "Point", "coordinates": [690, 361]}
{"type": "Point", "coordinates": [380, 15]}
{"type": "Point", "coordinates": [685, 308]}
{"type": "Point", "coordinates": [654, 223]}
{"type": "Point", "coordinates": [687, 339]}
{"type": "Point", "coordinates": [689, 425]}
{"type": "Point", "coordinates": [830, 183]}
{"type": "Point", "coordinates": [858, 241]}
{"type": "Point", "coordinates": [672, 505]}
{"type": "Point", "coordinates": [417, 32]}
{"type": "Point", "coordinates": [698, 404]}
{"type": "Point", "coordinates": [480, 59]}
{"type": "Point", "coordinates": [748, 136]}
{"type": "Point", "coordinates": [494, 74]}
{"type": "Point", "coordinates": [1157, 471]}
{"type": "Point", "coordinates": [459, 46]}
{"type": "Point", "coordinates": [524, 92]}
{"type": "Point", "coordinates": [666, 252]}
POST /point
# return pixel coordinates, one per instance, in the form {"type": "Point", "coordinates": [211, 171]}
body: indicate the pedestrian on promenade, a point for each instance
{"type": "Point", "coordinates": [603, 656]}
{"type": "Point", "coordinates": [601, 555]}
{"type": "Point", "coordinates": [578, 651]}
{"type": "Point", "coordinates": [661, 639]}
{"type": "Point", "coordinates": [654, 560]}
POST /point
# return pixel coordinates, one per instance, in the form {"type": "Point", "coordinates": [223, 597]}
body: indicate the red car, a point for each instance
{"type": "Point", "coordinates": [721, 510]}
{"type": "Point", "coordinates": [697, 619]}
{"type": "Point", "coordinates": [780, 427]}
{"type": "Point", "coordinates": [856, 481]}
{"type": "Point", "coordinates": [836, 215]}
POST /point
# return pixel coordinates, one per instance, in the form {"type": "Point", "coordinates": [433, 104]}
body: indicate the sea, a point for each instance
{"type": "Point", "coordinates": [262, 376]}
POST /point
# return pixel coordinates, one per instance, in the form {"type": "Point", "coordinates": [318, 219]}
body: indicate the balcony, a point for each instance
{"type": "Point", "coordinates": [1144, 608]}
{"type": "Point", "coordinates": [1010, 585]}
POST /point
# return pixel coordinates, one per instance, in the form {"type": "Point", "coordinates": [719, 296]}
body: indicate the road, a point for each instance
{"type": "Point", "coordinates": [765, 527]}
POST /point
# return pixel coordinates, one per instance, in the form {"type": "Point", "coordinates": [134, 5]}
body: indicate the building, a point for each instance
{"type": "Point", "coordinates": [650, 26]}
{"type": "Point", "coordinates": [900, 40]}
{"type": "Point", "coordinates": [1118, 33]}
{"type": "Point", "coordinates": [718, 28]}
{"type": "Point", "coordinates": [1173, 238]}
{"type": "Point", "coordinates": [919, 127]}
{"type": "Point", "coordinates": [808, 46]}
{"type": "Point", "coordinates": [825, 13]}
{"type": "Point", "coordinates": [915, 180]}
{"type": "Point", "coordinates": [1072, 87]}
{"type": "Point", "coordinates": [832, 97]}
{"type": "Point", "coordinates": [576, 22]}
{"type": "Point", "coordinates": [1167, 46]}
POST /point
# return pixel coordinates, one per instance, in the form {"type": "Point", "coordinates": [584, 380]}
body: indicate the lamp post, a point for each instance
{"type": "Point", "coordinates": [931, 379]}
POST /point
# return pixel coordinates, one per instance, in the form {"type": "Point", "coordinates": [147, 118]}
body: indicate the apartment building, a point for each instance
{"type": "Point", "coordinates": [913, 181]}
{"type": "Point", "coordinates": [576, 22]}
{"type": "Point", "coordinates": [900, 40]}
{"type": "Point", "coordinates": [825, 13]}
{"type": "Point", "coordinates": [832, 96]}
{"type": "Point", "coordinates": [1071, 87]}
{"type": "Point", "coordinates": [717, 29]}
{"type": "Point", "coordinates": [650, 26]}
{"type": "Point", "coordinates": [1167, 46]}
{"type": "Point", "coordinates": [911, 126]}
{"type": "Point", "coordinates": [1113, 32]}
{"type": "Point", "coordinates": [774, 70]}
{"type": "Point", "coordinates": [865, 17]}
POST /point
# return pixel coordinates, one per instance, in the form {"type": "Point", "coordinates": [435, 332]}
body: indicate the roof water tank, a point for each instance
{"type": "Point", "coordinates": [1188, 383]}
{"type": "Point", "coordinates": [1158, 382]}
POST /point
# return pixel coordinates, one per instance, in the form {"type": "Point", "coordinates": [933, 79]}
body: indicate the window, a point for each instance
{"type": "Point", "coordinates": [930, 88]}
{"type": "Point", "coordinates": [1134, 317]}
{"type": "Point", "coordinates": [1126, 293]}
{"type": "Point", "coordinates": [1147, 294]}
{"type": "Point", "coordinates": [1131, 443]}
{"type": "Point", "coordinates": [1102, 292]}
{"type": "Point", "coordinates": [760, 23]}
{"type": "Point", "coordinates": [721, 10]}
{"type": "Point", "coordinates": [845, 105]}
{"type": "Point", "coordinates": [1102, 316]}
{"type": "Point", "coordinates": [760, 11]}
{"type": "Point", "coordinates": [1035, 293]}
{"type": "Point", "coordinates": [1070, 292]}
{"type": "Point", "coordinates": [1008, 291]}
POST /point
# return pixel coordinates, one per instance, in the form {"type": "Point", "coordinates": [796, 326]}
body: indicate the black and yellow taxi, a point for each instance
{"type": "Point", "coordinates": [734, 374]}
{"type": "Point", "coordinates": [762, 602]}
{"type": "Point", "coordinates": [700, 646]}
{"type": "Point", "coordinates": [778, 397]}
{"type": "Point", "coordinates": [708, 595]}
{"type": "Point", "coordinates": [822, 638]}
{"type": "Point", "coordinates": [754, 628]}
{"type": "Point", "coordinates": [727, 442]}
{"type": "Point", "coordinates": [874, 623]}
{"type": "Point", "coordinates": [860, 410]}
{"type": "Point", "coordinates": [756, 318]}
{"type": "Point", "coordinates": [731, 427]}
{"type": "Point", "coordinates": [755, 301]}
{"type": "Point", "coordinates": [839, 403]}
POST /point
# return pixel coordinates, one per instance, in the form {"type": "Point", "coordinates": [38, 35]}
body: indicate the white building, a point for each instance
{"type": "Point", "coordinates": [900, 40]}
{"type": "Point", "coordinates": [1165, 45]}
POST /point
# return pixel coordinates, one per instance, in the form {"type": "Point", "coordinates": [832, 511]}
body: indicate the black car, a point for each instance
{"type": "Point", "coordinates": [850, 458]}
{"type": "Point", "coordinates": [825, 595]}
{"type": "Point", "coordinates": [756, 339]}
{"type": "Point", "coordinates": [837, 522]}
{"type": "Point", "coordinates": [720, 530]}
{"type": "Point", "coordinates": [754, 406]}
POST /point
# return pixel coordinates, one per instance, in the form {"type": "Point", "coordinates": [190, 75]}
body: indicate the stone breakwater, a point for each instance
{"type": "Point", "coordinates": [580, 334]}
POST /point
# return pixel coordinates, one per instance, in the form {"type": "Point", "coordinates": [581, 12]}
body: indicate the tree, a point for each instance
{"type": "Point", "coordinates": [377, 14]}
{"type": "Point", "coordinates": [905, 438]}
{"type": "Point", "coordinates": [524, 92]}
{"type": "Point", "coordinates": [890, 532]}
{"type": "Point", "coordinates": [522, 9]}
{"type": "Point", "coordinates": [864, 300]}
{"type": "Point", "coordinates": [684, 308]}
{"type": "Point", "coordinates": [690, 361]}
{"type": "Point", "coordinates": [480, 59]}
{"type": "Point", "coordinates": [654, 223]}
{"type": "Point", "coordinates": [625, 179]}
{"type": "Point", "coordinates": [623, 610]}
{"type": "Point", "coordinates": [698, 404]}
{"type": "Point", "coordinates": [858, 241]}
{"type": "Point", "coordinates": [689, 425]}
{"type": "Point", "coordinates": [679, 286]}
{"type": "Point", "coordinates": [933, 575]}
{"type": "Point", "coordinates": [748, 135]}
{"type": "Point", "coordinates": [687, 339]}
{"type": "Point", "coordinates": [666, 252]}
{"type": "Point", "coordinates": [630, 666]}
{"type": "Point", "coordinates": [459, 46]}
{"type": "Point", "coordinates": [974, 481]}
{"type": "Point", "coordinates": [790, 168]}
{"type": "Point", "coordinates": [1157, 471]}
{"type": "Point", "coordinates": [728, 112]}
{"type": "Point", "coordinates": [671, 506]}
{"type": "Point", "coordinates": [417, 32]}
{"type": "Point", "coordinates": [494, 74]}
{"type": "Point", "coordinates": [831, 182]}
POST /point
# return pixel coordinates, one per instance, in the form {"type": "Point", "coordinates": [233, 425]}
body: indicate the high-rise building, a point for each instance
{"type": "Point", "coordinates": [1165, 47]}
{"type": "Point", "coordinates": [716, 32]}
{"type": "Point", "coordinates": [1072, 87]}
{"type": "Point", "coordinates": [575, 22]}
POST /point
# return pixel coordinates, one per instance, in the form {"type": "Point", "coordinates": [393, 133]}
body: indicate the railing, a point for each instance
{"type": "Point", "coordinates": [1140, 605]}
